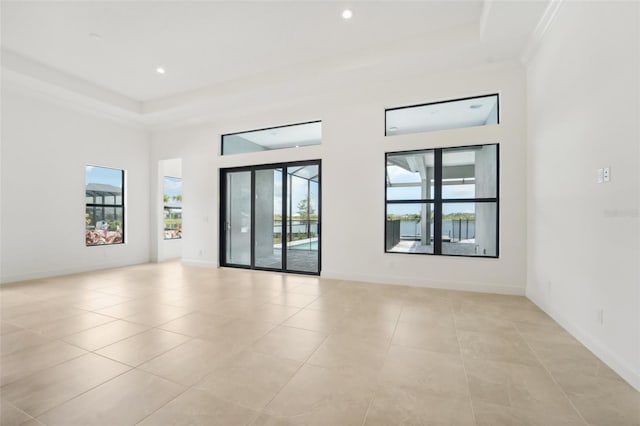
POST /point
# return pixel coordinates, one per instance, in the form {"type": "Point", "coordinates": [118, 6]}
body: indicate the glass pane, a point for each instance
{"type": "Point", "coordinates": [480, 111]}
{"type": "Point", "coordinates": [302, 220]}
{"type": "Point", "coordinates": [410, 176]}
{"type": "Point", "coordinates": [172, 198]}
{"type": "Point", "coordinates": [268, 219]}
{"type": "Point", "coordinates": [409, 228]}
{"type": "Point", "coordinates": [292, 136]}
{"type": "Point", "coordinates": [103, 185]}
{"type": "Point", "coordinates": [103, 225]}
{"type": "Point", "coordinates": [469, 229]}
{"type": "Point", "coordinates": [470, 172]}
{"type": "Point", "coordinates": [238, 218]}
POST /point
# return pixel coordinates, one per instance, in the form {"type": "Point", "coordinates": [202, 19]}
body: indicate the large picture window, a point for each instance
{"type": "Point", "coordinates": [443, 201]}
{"type": "Point", "coordinates": [104, 215]}
{"type": "Point", "coordinates": [172, 197]}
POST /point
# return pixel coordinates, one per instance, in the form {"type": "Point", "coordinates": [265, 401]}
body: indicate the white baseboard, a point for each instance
{"type": "Point", "coordinates": [618, 365]}
{"type": "Point", "coordinates": [35, 275]}
{"type": "Point", "coordinates": [413, 282]}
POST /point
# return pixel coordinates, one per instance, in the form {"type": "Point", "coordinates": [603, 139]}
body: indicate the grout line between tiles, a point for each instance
{"type": "Point", "coordinates": [543, 364]}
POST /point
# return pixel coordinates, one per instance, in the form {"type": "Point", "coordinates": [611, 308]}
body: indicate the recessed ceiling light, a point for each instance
{"type": "Point", "coordinates": [160, 70]}
{"type": "Point", "coordinates": [297, 146]}
{"type": "Point", "coordinates": [95, 36]}
{"type": "Point", "coordinates": [475, 106]}
{"type": "Point", "coordinates": [347, 14]}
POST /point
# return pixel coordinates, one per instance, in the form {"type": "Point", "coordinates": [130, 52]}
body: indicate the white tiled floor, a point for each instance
{"type": "Point", "coordinates": [163, 344]}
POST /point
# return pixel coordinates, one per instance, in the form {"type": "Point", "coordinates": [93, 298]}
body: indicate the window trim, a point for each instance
{"type": "Point", "coordinates": [222, 136]}
{"type": "Point", "coordinates": [497, 95]}
{"type": "Point", "coordinates": [437, 201]}
{"type": "Point", "coordinates": [122, 205]}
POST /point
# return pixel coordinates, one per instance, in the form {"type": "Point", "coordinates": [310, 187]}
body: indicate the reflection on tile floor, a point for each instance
{"type": "Point", "coordinates": [162, 344]}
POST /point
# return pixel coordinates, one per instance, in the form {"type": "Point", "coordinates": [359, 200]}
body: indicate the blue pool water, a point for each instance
{"type": "Point", "coordinates": [309, 245]}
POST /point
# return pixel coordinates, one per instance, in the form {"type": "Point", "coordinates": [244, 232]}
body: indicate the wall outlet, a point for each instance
{"type": "Point", "coordinates": [600, 316]}
{"type": "Point", "coordinates": [606, 174]}
{"type": "Point", "coordinates": [200, 252]}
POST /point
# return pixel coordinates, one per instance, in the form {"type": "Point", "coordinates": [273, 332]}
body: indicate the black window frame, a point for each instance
{"type": "Point", "coordinates": [103, 205]}
{"type": "Point", "coordinates": [437, 201]}
{"type": "Point", "coordinates": [497, 95]}
{"type": "Point", "coordinates": [222, 153]}
{"type": "Point", "coordinates": [222, 241]}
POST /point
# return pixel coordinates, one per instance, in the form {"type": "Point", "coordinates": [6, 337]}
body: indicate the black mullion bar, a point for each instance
{"type": "Point", "coordinates": [285, 215]}
{"type": "Point", "coordinates": [469, 200]}
{"type": "Point", "coordinates": [222, 237]}
{"type": "Point", "coordinates": [122, 198]}
{"type": "Point", "coordinates": [253, 219]}
{"type": "Point", "coordinates": [412, 201]}
{"type": "Point", "coordinates": [437, 215]}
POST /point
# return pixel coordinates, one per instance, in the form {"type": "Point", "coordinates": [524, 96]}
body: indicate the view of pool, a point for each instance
{"type": "Point", "coordinates": [307, 245]}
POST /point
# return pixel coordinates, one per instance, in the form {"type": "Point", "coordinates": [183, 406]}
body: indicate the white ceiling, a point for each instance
{"type": "Point", "coordinates": [201, 44]}
{"type": "Point", "coordinates": [226, 59]}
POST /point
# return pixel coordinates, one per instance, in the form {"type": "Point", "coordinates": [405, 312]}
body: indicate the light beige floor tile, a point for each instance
{"type": "Point", "coordinates": [320, 396]}
{"type": "Point", "coordinates": [498, 415]}
{"type": "Point", "coordinates": [72, 325]}
{"type": "Point", "coordinates": [238, 334]}
{"type": "Point", "coordinates": [189, 362]}
{"type": "Point", "coordinates": [158, 314]}
{"type": "Point", "coordinates": [483, 324]}
{"type": "Point", "coordinates": [10, 415]}
{"type": "Point", "coordinates": [35, 319]}
{"type": "Point", "coordinates": [417, 373]}
{"type": "Point", "coordinates": [269, 312]}
{"type": "Point", "coordinates": [6, 328]}
{"type": "Point", "coordinates": [504, 346]}
{"type": "Point", "coordinates": [563, 358]}
{"type": "Point", "coordinates": [48, 388]}
{"type": "Point", "coordinates": [342, 352]}
{"type": "Point", "coordinates": [142, 347]}
{"type": "Point", "coordinates": [428, 316]}
{"type": "Point", "coordinates": [106, 334]}
{"type": "Point", "coordinates": [525, 387]}
{"type": "Point", "coordinates": [199, 408]}
{"type": "Point", "coordinates": [18, 340]}
{"type": "Point", "coordinates": [251, 380]}
{"type": "Point", "coordinates": [20, 364]}
{"type": "Point", "coordinates": [100, 302]}
{"type": "Point", "coordinates": [126, 309]}
{"type": "Point", "coordinates": [288, 342]}
{"type": "Point", "coordinates": [315, 320]}
{"type": "Point", "coordinates": [437, 339]}
{"type": "Point", "coordinates": [264, 419]}
{"type": "Point", "coordinates": [125, 400]}
{"type": "Point", "coordinates": [296, 300]}
{"type": "Point", "coordinates": [375, 331]}
{"type": "Point", "coordinates": [195, 323]}
{"type": "Point", "coordinates": [392, 408]}
{"type": "Point", "coordinates": [602, 400]}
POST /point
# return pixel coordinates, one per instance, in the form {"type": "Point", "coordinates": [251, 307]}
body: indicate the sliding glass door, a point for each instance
{"type": "Point", "coordinates": [270, 217]}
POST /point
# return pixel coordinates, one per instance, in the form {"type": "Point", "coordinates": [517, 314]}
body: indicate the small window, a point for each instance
{"type": "Point", "coordinates": [172, 196]}
{"type": "Point", "coordinates": [454, 114]}
{"type": "Point", "coordinates": [104, 199]}
{"type": "Point", "coordinates": [443, 201]}
{"type": "Point", "coordinates": [290, 136]}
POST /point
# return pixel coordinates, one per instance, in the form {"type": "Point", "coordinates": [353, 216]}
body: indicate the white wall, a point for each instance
{"type": "Point", "coordinates": [167, 249]}
{"type": "Point", "coordinates": [584, 237]}
{"type": "Point", "coordinates": [352, 154]}
{"type": "Point", "coordinates": [45, 147]}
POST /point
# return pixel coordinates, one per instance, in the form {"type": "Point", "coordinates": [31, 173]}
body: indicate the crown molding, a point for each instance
{"type": "Point", "coordinates": [541, 30]}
